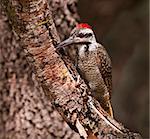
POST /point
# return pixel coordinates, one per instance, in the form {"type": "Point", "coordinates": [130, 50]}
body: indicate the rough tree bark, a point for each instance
{"type": "Point", "coordinates": [25, 112]}
{"type": "Point", "coordinates": [32, 21]}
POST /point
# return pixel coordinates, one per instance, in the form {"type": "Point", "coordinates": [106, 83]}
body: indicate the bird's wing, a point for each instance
{"type": "Point", "coordinates": [105, 67]}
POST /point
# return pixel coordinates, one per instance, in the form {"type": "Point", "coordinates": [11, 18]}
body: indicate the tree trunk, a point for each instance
{"type": "Point", "coordinates": [26, 112]}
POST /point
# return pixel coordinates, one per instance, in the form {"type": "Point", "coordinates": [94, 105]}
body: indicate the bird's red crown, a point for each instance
{"type": "Point", "coordinates": [83, 25]}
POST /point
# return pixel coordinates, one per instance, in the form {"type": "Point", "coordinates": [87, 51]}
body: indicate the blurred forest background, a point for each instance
{"type": "Point", "coordinates": [122, 26]}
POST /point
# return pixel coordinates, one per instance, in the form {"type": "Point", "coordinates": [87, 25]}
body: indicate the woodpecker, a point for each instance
{"type": "Point", "coordinates": [92, 61]}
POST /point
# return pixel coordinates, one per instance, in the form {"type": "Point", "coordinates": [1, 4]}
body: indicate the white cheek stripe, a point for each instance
{"type": "Point", "coordinates": [92, 47]}
{"type": "Point", "coordinates": [82, 51]}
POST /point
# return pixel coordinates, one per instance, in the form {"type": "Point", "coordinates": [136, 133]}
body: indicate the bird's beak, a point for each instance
{"type": "Point", "coordinates": [71, 41]}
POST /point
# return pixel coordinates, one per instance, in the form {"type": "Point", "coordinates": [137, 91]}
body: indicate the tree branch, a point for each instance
{"type": "Point", "coordinates": [32, 21]}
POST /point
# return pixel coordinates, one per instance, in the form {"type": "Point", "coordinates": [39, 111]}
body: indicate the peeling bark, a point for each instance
{"type": "Point", "coordinates": [33, 23]}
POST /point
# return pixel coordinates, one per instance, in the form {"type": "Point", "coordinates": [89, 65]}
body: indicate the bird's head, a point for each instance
{"type": "Point", "coordinates": [81, 34]}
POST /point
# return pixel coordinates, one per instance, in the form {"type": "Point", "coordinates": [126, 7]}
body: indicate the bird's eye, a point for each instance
{"type": "Point", "coordinates": [81, 35]}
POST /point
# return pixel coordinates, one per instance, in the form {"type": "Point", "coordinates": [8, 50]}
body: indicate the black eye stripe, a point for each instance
{"type": "Point", "coordinates": [81, 35]}
{"type": "Point", "coordinates": [88, 34]}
